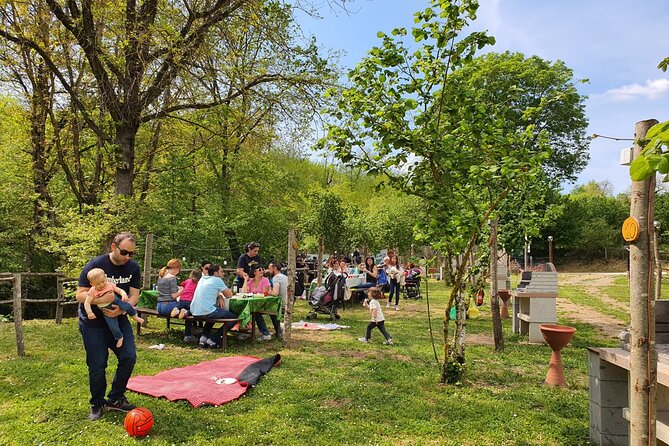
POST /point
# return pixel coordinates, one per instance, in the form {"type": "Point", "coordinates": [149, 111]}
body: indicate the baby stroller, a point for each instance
{"type": "Point", "coordinates": [412, 284]}
{"type": "Point", "coordinates": [326, 299]}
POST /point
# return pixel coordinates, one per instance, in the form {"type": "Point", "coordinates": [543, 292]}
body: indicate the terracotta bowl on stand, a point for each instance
{"type": "Point", "coordinates": [556, 336]}
{"type": "Point", "coordinates": [505, 295]}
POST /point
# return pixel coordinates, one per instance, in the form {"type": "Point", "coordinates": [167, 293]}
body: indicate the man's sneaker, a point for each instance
{"type": "Point", "coordinates": [388, 341]}
{"type": "Point", "coordinates": [365, 340]}
{"type": "Point", "coordinates": [397, 308]}
{"type": "Point", "coordinates": [95, 413]}
{"type": "Point", "coordinates": [203, 341]}
{"type": "Point", "coordinates": [211, 344]}
{"type": "Point", "coordinates": [121, 404]}
{"type": "Point", "coordinates": [388, 305]}
{"type": "Point", "coordinates": [190, 339]}
{"type": "Point", "coordinates": [265, 337]}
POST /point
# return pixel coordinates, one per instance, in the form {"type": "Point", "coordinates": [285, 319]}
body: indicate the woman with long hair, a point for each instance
{"type": "Point", "coordinates": [169, 293]}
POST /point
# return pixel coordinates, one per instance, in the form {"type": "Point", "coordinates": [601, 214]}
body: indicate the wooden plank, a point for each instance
{"type": "Point", "coordinates": [148, 256]}
{"type": "Point", "coordinates": [532, 294]}
{"type": "Point", "coordinates": [288, 309]}
{"type": "Point", "coordinates": [152, 312]}
{"type": "Point", "coordinates": [18, 315]}
{"type": "Point", "coordinates": [621, 358]}
{"type": "Point", "coordinates": [661, 424]}
{"type": "Point", "coordinates": [60, 291]}
{"type": "Point", "coordinates": [29, 274]}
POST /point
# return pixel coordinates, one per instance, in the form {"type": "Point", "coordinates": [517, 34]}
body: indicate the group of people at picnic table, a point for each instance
{"type": "Point", "coordinates": [388, 276]}
{"type": "Point", "coordinates": [204, 295]}
{"type": "Point", "coordinates": [108, 292]}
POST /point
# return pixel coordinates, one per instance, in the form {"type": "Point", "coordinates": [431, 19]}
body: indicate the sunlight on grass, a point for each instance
{"type": "Point", "coordinates": [578, 296]}
{"type": "Point", "coordinates": [329, 388]}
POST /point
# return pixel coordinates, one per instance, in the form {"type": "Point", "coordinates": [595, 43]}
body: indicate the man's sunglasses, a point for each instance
{"type": "Point", "coordinates": [124, 252]}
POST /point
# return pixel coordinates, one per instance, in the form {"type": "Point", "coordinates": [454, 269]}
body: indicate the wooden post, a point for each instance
{"type": "Point", "coordinates": [288, 315]}
{"type": "Point", "coordinates": [494, 298]}
{"type": "Point", "coordinates": [148, 256]}
{"type": "Point", "coordinates": [525, 254]}
{"type": "Point", "coordinates": [657, 260]}
{"type": "Point", "coordinates": [319, 262]}
{"type": "Point", "coordinates": [643, 356]}
{"type": "Point", "coordinates": [18, 315]}
{"type": "Point", "coordinates": [60, 293]}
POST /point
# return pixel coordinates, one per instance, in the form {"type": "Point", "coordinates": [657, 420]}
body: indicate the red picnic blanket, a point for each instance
{"type": "Point", "coordinates": [209, 382]}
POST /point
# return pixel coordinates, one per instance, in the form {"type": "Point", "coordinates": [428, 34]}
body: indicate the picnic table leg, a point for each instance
{"type": "Point", "coordinates": [224, 338]}
{"type": "Point", "coordinates": [139, 326]}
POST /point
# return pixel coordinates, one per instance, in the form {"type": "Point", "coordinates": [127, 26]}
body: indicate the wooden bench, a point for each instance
{"type": "Point", "coordinates": [153, 312]}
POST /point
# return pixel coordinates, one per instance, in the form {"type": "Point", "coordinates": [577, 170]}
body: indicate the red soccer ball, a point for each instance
{"type": "Point", "coordinates": [138, 422]}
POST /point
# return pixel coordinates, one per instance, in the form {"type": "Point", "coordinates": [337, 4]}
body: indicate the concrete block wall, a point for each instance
{"type": "Point", "coordinates": [503, 280]}
{"type": "Point", "coordinates": [609, 394]}
{"type": "Point", "coordinates": [543, 310]}
{"type": "Point", "coordinates": [543, 282]}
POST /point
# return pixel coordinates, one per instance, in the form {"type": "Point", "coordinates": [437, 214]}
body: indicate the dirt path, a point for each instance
{"type": "Point", "coordinates": [592, 284]}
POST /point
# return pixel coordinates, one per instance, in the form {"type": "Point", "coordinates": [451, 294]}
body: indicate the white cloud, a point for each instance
{"type": "Point", "coordinates": [653, 89]}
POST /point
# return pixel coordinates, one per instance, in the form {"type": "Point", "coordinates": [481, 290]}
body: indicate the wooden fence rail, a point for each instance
{"type": "Point", "coordinates": [17, 301]}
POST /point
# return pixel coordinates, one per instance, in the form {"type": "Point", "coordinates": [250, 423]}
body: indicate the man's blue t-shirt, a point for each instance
{"type": "Point", "coordinates": [123, 276]}
{"type": "Point", "coordinates": [206, 295]}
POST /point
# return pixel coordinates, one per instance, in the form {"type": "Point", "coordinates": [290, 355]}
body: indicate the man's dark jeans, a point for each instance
{"type": "Point", "coordinates": [97, 342]}
{"type": "Point", "coordinates": [219, 313]}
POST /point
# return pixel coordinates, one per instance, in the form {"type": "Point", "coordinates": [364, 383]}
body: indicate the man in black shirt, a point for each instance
{"type": "Point", "coordinates": [124, 272]}
{"type": "Point", "coordinates": [247, 261]}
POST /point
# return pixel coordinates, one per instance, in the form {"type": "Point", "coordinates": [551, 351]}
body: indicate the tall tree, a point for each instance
{"type": "Point", "coordinates": [136, 52]}
{"type": "Point", "coordinates": [27, 73]}
{"type": "Point", "coordinates": [436, 135]}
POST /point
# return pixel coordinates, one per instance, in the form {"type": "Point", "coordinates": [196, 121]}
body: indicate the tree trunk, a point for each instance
{"type": "Point", "coordinates": [447, 373]}
{"type": "Point", "coordinates": [233, 243]}
{"type": "Point", "coordinates": [657, 261]}
{"type": "Point", "coordinates": [319, 262]}
{"type": "Point", "coordinates": [125, 158]}
{"type": "Point", "coordinates": [643, 356]}
{"type": "Point", "coordinates": [148, 260]}
{"type": "Point", "coordinates": [288, 315]}
{"type": "Point", "coordinates": [460, 326]}
{"type": "Point", "coordinates": [494, 298]}
{"type": "Point", "coordinates": [40, 106]}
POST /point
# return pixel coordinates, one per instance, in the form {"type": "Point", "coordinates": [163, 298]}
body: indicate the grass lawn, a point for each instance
{"type": "Point", "coordinates": [329, 389]}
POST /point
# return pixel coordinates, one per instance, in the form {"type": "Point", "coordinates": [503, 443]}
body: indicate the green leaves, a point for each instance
{"type": "Point", "coordinates": [652, 159]}
{"type": "Point", "coordinates": [640, 169]}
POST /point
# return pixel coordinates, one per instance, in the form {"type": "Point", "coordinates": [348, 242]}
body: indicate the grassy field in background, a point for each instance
{"type": "Point", "coordinates": [329, 389]}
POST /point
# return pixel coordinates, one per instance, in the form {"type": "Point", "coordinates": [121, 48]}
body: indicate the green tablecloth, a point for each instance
{"type": "Point", "coordinates": [148, 299]}
{"type": "Point", "coordinates": [244, 306]}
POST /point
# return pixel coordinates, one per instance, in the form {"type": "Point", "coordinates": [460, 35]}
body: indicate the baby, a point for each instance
{"type": "Point", "coordinates": [99, 287]}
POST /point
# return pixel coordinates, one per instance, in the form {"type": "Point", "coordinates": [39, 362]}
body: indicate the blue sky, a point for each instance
{"type": "Point", "coordinates": [615, 44]}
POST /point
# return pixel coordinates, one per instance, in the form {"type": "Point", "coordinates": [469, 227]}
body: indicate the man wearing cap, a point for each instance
{"type": "Point", "coordinates": [247, 261]}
